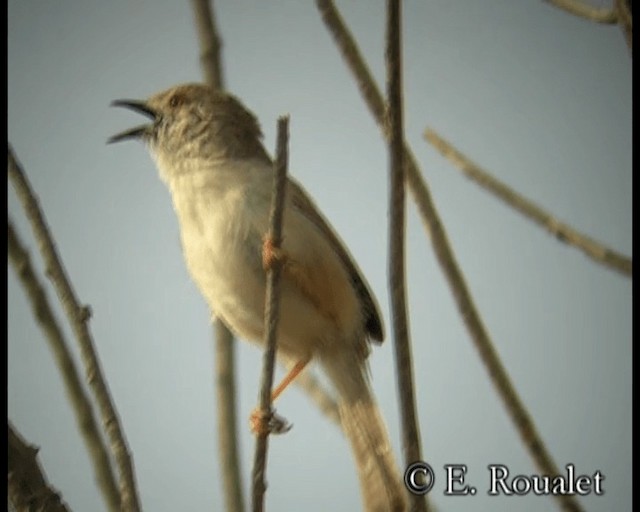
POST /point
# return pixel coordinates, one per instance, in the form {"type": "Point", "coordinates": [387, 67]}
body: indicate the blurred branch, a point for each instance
{"type": "Point", "coordinates": [397, 226]}
{"type": "Point", "coordinates": [81, 406]}
{"type": "Point", "coordinates": [595, 250]}
{"type": "Point", "coordinates": [581, 9]}
{"type": "Point", "coordinates": [211, 62]}
{"type": "Point", "coordinates": [210, 43]}
{"type": "Point", "coordinates": [28, 489]}
{"type": "Point", "coordinates": [444, 254]}
{"type": "Point", "coordinates": [227, 418]}
{"type": "Point", "coordinates": [78, 317]}
{"type": "Point", "coordinates": [272, 310]}
{"type": "Point", "coordinates": [225, 370]}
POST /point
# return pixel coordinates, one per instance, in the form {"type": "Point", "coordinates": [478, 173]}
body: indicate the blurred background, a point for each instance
{"type": "Point", "coordinates": [540, 98]}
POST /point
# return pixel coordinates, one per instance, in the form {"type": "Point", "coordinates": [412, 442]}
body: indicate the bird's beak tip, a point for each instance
{"type": "Point", "coordinates": [140, 107]}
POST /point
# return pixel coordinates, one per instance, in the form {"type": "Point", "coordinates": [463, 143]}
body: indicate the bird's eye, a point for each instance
{"type": "Point", "coordinates": [176, 100]}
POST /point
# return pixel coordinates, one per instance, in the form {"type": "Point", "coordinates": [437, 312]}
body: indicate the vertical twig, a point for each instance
{"type": "Point", "coordinates": [272, 307]}
{"type": "Point", "coordinates": [397, 224]}
{"type": "Point", "coordinates": [227, 418]}
{"type": "Point", "coordinates": [444, 254]}
{"type": "Point", "coordinates": [78, 317]}
{"type": "Point", "coordinates": [80, 404]}
{"type": "Point", "coordinates": [210, 43]}
{"type": "Point", "coordinates": [211, 63]}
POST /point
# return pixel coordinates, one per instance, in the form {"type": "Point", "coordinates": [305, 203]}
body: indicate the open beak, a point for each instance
{"type": "Point", "coordinates": [139, 131]}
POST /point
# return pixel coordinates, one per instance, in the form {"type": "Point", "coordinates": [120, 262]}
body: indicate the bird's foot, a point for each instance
{"type": "Point", "coordinates": [271, 254]}
{"type": "Point", "coordinates": [262, 423]}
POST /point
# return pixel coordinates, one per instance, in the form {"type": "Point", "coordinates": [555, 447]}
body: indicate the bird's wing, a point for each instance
{"type": "Point", "coordinates": [306, 207]}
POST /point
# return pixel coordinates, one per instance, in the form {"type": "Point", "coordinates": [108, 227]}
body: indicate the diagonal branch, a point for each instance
{"type": "Point", "coordinates": [81, 405]}
{"type": "Point", "coordinates": [397, 226]}
{"type": "Point", "coordinates": [78, 317]}
{"type": "Point", "coordinates": [444, 254]}
{"type": "Point", "coordinates": [272, 309]}
{"type": "Point", "coordinates": [563, 232]}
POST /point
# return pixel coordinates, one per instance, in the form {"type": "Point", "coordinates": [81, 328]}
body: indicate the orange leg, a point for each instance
{"type": "Point", "coordinates": [289, 378]}
{"type": "Point", "coordinates": [261, 423]}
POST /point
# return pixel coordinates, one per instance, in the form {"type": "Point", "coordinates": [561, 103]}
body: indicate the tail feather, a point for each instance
{"type": "Point", "coordinates": [380, 480]}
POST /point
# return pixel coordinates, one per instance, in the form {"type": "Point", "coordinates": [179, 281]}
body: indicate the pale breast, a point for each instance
{"type": "Point", "coordinates": [221, 247]}
{"type": "Point", "coordinates": [222, 229]}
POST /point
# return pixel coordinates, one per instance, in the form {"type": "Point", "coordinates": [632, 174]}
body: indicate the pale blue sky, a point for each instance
{"type": "Point", "coordinates": [540, 98]}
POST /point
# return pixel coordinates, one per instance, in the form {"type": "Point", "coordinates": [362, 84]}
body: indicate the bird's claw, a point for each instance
{"type": "Point", "coordinates": [262, 423]}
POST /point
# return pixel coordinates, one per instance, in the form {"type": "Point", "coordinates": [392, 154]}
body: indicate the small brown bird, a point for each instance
{"type": "Point", "coordinates": [208, 150]}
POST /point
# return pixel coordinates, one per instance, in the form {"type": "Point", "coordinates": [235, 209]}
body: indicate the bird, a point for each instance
{"type": "Point", "coordinates": [208, 150]}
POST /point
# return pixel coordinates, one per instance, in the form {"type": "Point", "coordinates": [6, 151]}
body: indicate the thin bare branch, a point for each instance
{"type": "Point", "coordinates": [210, 42]}
{"type": "Point", "coordinates": [374, 100]}
{"type": "Point", "coordinates": [227, 418]}
{"type": "Point", "coordinates": [444, 254]}
{"type": "Point", "coordinates": [581, 9]}
{"type": "Point", "coordinates": [78, 317]}
{"type": "Point", "coordinates": [80, 403]}
{"type": "Point", "coordinates": [211, 62]}
{"type": "Point", "coordinates": [563, 232]}
{"type": "Point", "coordinates": [28, 489]}
{"type": "Point", "coordinates": [397, 226]}
{"type": "Point", "coordinates": [272, 310]}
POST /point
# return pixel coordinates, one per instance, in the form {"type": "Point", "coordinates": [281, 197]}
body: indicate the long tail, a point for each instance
{"type": "Point", "coordinates": [380, 480]}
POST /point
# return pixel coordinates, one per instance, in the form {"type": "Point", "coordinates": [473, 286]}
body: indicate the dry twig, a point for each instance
{"type": "Point", "coordinates": [444, 254]}
{"type": "Point", "coordinates": [225, 369]}
{"type": "Point", "coordinates": [563, 232]}
{"type": "Point", "coordinates": [78, 317]}
{"type": "Point", "coordinates": [210, 43]}
{"type": "Point", "coordinates": [397, 226]}
{"type": "Point", "coordinates": [272, 308]}
{"type": "Point", "coordinates": [81, 405]}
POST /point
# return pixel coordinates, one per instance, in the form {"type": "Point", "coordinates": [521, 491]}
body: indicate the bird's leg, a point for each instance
{"type": "Point", "coordinates": [262, 422]}
{"type": "Point", "coordinates": [289, 378]}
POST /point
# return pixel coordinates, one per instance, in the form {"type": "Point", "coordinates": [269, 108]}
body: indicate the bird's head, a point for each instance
{"type": "Point", "coordinates": [194, 121]}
